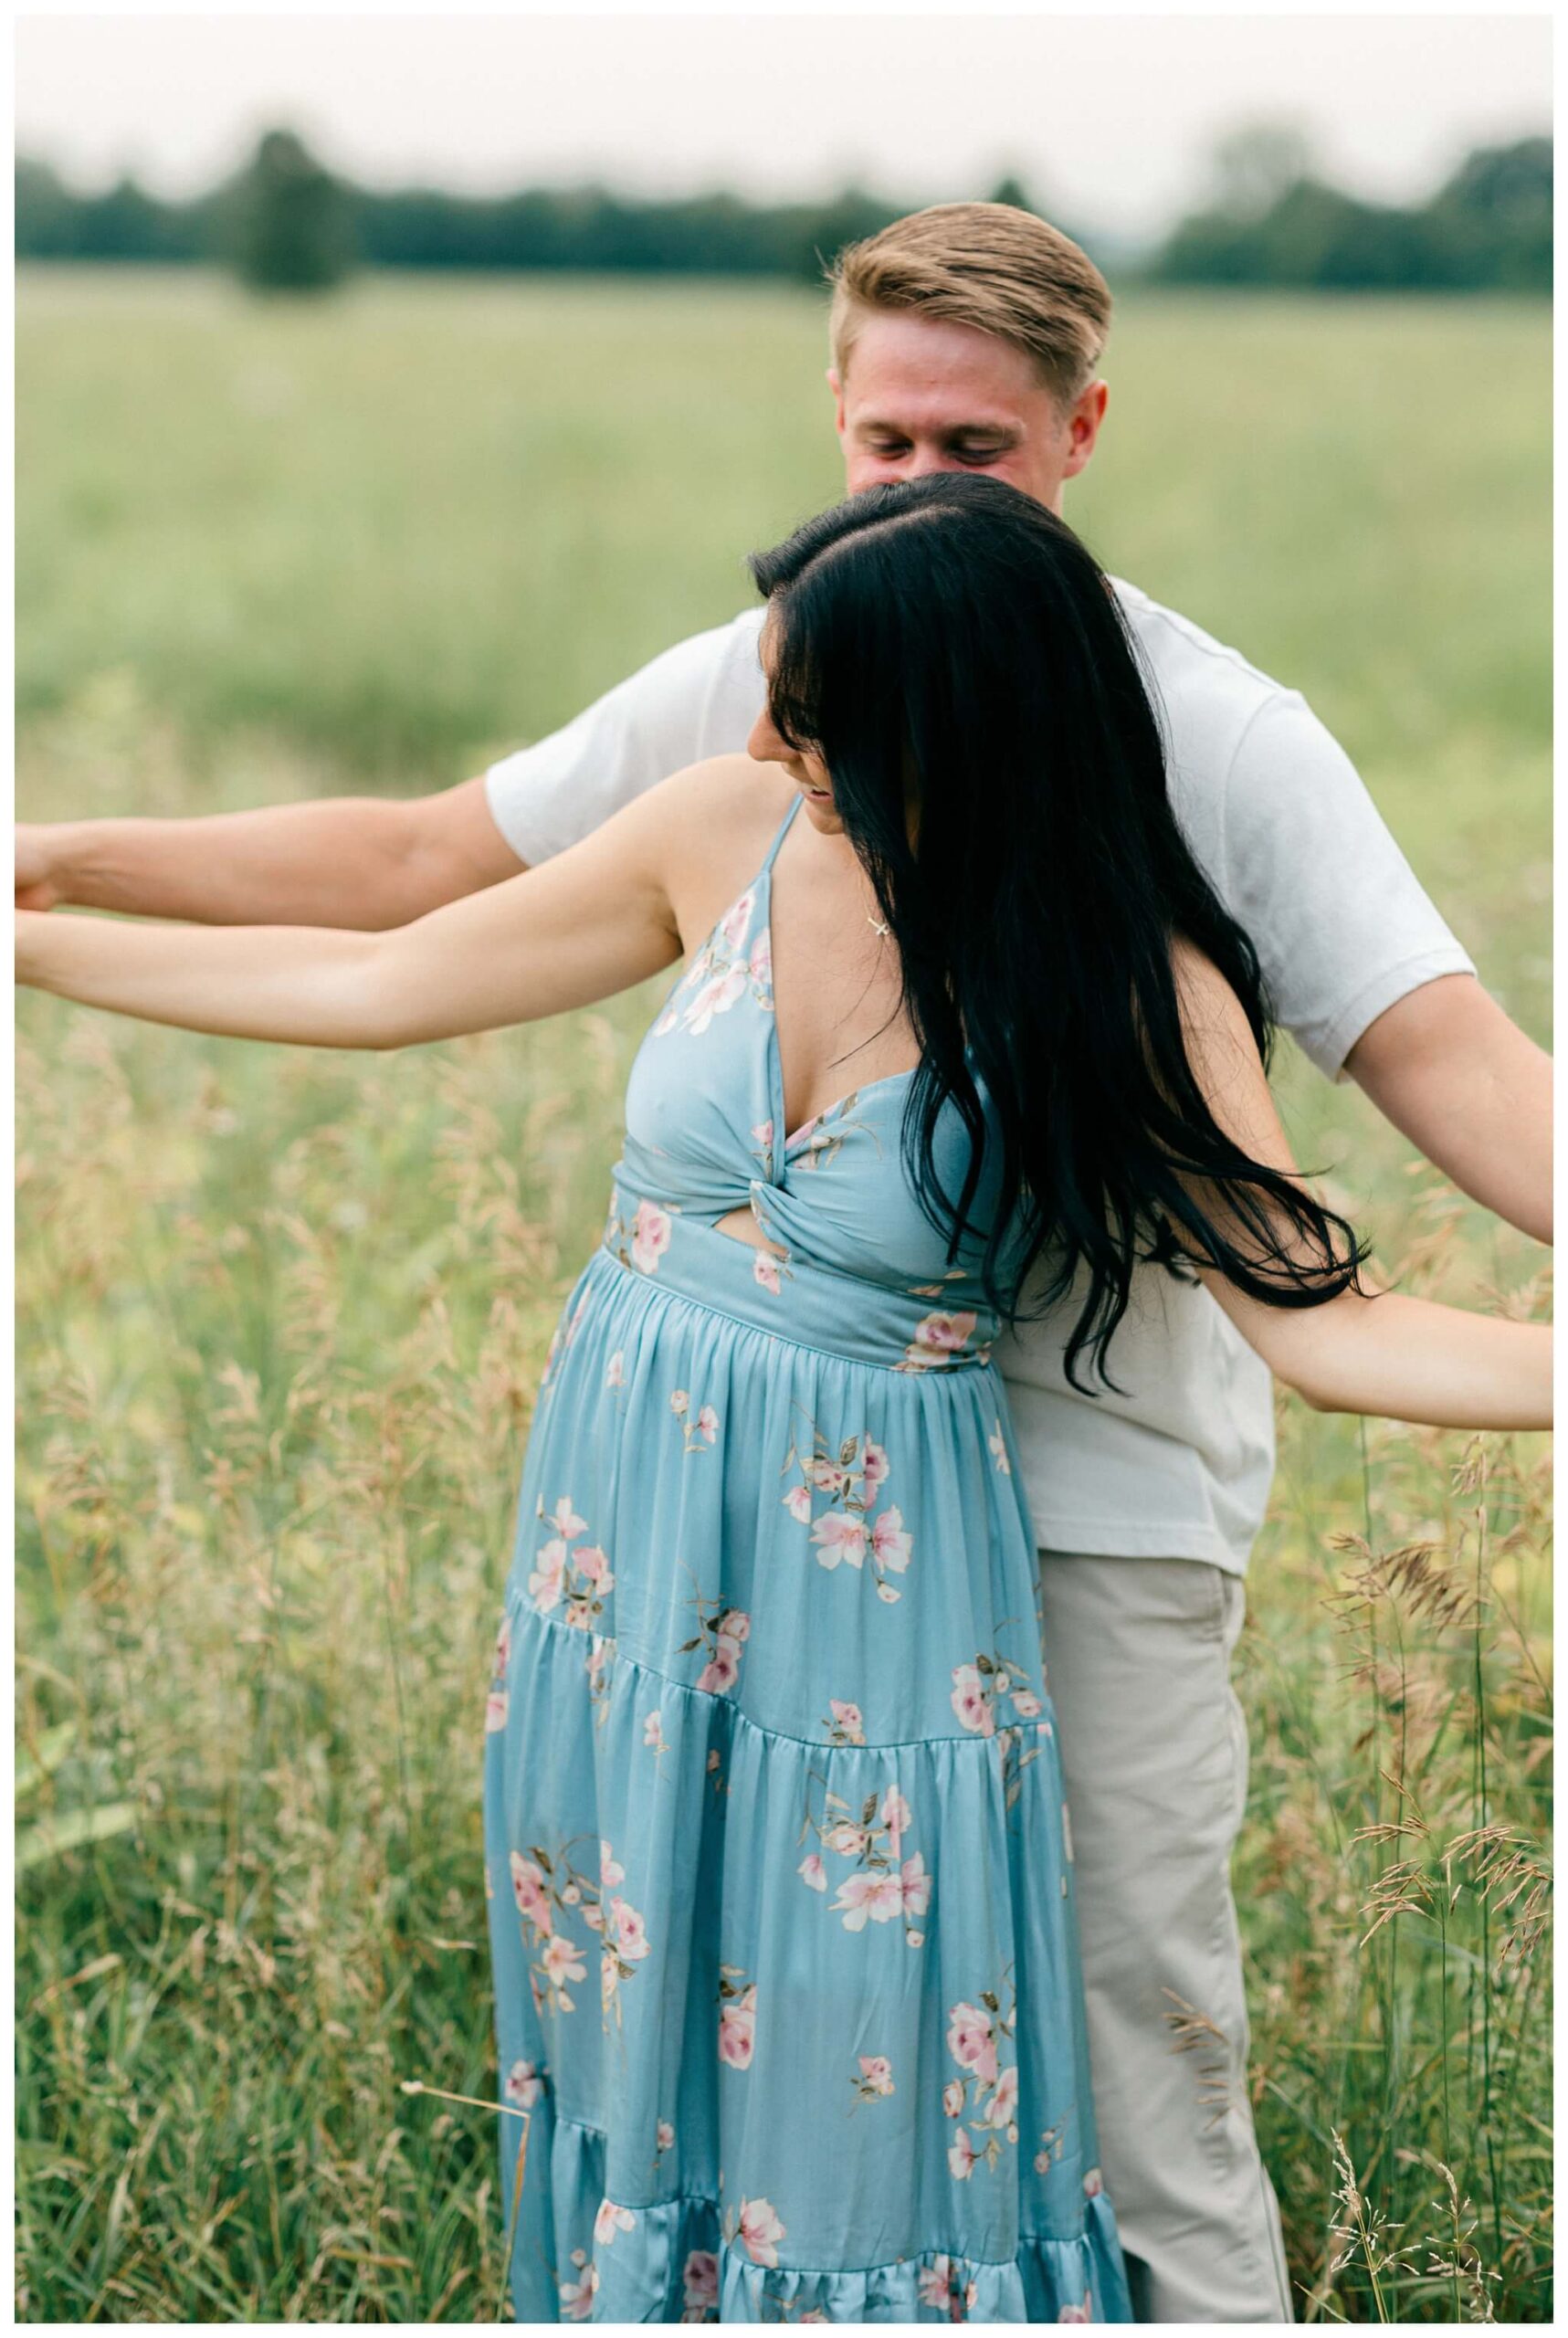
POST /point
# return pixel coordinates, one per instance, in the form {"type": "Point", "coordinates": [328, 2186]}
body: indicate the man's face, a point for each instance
{"type": "Point", "coordinates": [918, 396]}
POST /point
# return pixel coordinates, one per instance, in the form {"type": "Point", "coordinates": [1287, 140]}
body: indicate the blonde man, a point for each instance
{"type": "Point", "coordinates": [969, 337]}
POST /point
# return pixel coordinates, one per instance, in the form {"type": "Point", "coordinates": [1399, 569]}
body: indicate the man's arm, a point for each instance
{"type": "Point", "coordinates": [360, 862]}
{"type": "Point", "coordinates": [1366, 975]}
{"type": "Point", "coordinates": [1446, 1066]}
{"type": "Point", "coordinates": [351, 860]}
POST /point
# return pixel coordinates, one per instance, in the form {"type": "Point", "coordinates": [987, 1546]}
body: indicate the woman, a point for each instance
{"type": "Point", "coordinates": [771, 1764]}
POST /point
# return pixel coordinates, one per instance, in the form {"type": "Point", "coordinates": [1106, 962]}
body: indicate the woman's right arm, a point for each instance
{"type": "Point", "coordinates": [590, 921]}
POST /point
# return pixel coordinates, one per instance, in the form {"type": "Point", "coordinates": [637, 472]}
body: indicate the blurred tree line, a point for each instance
{"type": "Point", "coordinates": [287, 223]}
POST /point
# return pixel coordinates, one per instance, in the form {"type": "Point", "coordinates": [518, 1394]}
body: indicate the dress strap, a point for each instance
{"type": "Point", "coordinates": [778, 839]}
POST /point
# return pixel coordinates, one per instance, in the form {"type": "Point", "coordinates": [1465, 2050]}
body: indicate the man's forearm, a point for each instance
{"type": "Point", "coordinates": [1465, 1084]}
{"type": "Point", "coordinates": [354, 861]}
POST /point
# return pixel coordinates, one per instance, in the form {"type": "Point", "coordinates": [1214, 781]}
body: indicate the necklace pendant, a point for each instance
{"type": "Point", "coordinates": [876, 925]}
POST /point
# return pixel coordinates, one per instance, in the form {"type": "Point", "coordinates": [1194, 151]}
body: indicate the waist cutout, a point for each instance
{"type": "Point", "coordinates": [911, 1331]}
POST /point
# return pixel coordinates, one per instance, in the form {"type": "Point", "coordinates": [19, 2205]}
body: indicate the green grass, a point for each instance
{"type": "Point", "coordinates": [282, 1314]}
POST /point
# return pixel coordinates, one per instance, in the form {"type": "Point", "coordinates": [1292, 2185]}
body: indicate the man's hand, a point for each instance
{"type": "Point", "coordinates": [36, 886]}
{"type": "Point", "coordinates": [365, 861]}
{"type": "Point", "coordinates": [1451, 1071]}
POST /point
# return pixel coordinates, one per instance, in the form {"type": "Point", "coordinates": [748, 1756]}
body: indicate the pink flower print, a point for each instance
{"type": "Point", "coordinates": [610, 2220]}
{"type": "Point", "coordinates": [1025, 1704]}
{"type": "Point", "coordinates": [759, 2231]}
{"type": "Point", "coordinates": [611, 1871]}
{"type": "Point", "coordinates": [700, 2278]}
{"type": "Point", "coordinates": [889, 1544]}
{"type": "Point", "coordinates": [939, 2289]}
{"type": "Point", "coordinates": [545, 1581]}
{"type": "Point", "coordinates": [762, 1135]}
{"type": "Point", "coordinates": [631, 1933]}
{"type": "Point", "coordinates": [847, 1721]}
{"type": "Point", "coordinates": [962, 2154]}
{"type": "Point", "coordinates": [1093, 2184]}
{"type": "Point", "coordinates": [666, 1023]}
{"type": "Point", "coordinates": [653, 1731]}
{"type": "Point", "coordinates": [737, 2029]}
{"type": "Point", "coordinates": [952, 2097]}
{"type": "Point", "coordinates": [734, 1624]}
{"type": "Point", "coordinates": [874, 1467]}
{"type": "Point", "coordinates": [969, 1701]}
{"type": "Point", "coordinates": [565, 1521]}
{"type": "Point", "coordinates": [579, 1613]}
{"type": "Point", "coordinates": [1002, 2107]}
{"type": "Point", "coordinates": [577, 2297]}
{"type": "Point", "coordinates": [971, 2042]}
{"type": "Point", "coordinates": [650, 1237]}
{"type": "Point", "coordinates": [846, 1839]}
{"type": "Point", "coordinates": [722, 1669]}
{"type": "Point", "coordinates": [876, 2074]}
{"type": "Point", "coordinates": [715, 997]}
{"type": "Point", "coordinates": [914, 1888]}
{"type": "Point", "coordinates": [735, 921]}
{"type": "Point", "coordinates": [664, 2135]}
{"type": "Point", "coordinates": [828, 1476]}
{"type": "Point", "coordinates": [530, 1890]}
{"type": "Point", "coordinates": [766, 1270]}
{"type": "Point", "coordinates": [1083, 2313]}
{"type": "Point", "coordinates": [895, 1816]}
{"type": "Point", "coordinates": [523, 2085]}
{"type": "Point", "coordinates": [761, 959]}
{"type": "Point", "coordinates": [937, 1337]}
{"type": "Point", "coordinates": [868, 1893]}
{"type": "Point", "coordinates": [502, 1657]}
{"type": "Point", "coordinates": [495, 1711]}
{"type": "Point", "coordinates": [615, 1371]}
{"type": "Point", "coordinates": [999, 1445]}
{"type": "Point", "coordinates": [563, 1961]}
{"type": "Point", "coordinates": [595, 1564]}
{"type": "Point", "coordinates": [798, 1501]}
{"type": "Point", "coordinates": [708, 1424]}
{"type": "Point", "coordinates": [813, 1872]}
{"type": "Point", "coordinates": [838, 1535]}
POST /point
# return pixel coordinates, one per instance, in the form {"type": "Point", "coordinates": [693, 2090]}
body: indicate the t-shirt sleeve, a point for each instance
{"type": "Point", "coordinates": [690, 702]}
{"type": "Point", "coordinates": [1339, 922]}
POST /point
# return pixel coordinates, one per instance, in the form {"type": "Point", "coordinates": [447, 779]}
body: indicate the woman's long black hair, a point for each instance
{"type": "Point", "coordinates": [950, 648]}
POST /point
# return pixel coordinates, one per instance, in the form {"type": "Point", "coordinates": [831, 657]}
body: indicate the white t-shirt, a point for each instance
{"type": "Point", "coordinates": [1179, 1465]}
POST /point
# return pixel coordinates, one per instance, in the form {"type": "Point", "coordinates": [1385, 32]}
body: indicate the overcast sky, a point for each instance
{"type": "Point", "coordinates": [1109, 118]}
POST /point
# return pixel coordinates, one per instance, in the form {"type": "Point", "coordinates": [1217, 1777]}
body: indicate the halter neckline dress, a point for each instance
{"type": "Point", "coordinates": [779, 1870]}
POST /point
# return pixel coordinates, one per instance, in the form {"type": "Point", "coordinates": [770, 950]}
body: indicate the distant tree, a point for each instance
{"type": "Point", "coordinates": [1254, 166]}
{"type": "Point", "coordinates": [1492, 221]}
{"type": "Point", "coordinates": [1011, 189]}
{"type": "Point", "coordinates": [289, 222]}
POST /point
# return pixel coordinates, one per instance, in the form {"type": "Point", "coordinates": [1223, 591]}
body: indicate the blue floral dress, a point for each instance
{"type": "Point", "coordinates": [780, 1872]}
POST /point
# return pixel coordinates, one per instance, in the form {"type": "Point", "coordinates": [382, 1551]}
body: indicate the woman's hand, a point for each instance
{"type": "Point", "coordinates": [1364, 1351]}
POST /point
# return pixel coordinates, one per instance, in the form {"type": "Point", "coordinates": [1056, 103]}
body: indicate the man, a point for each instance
{"type": "Point", "coordinates": [967, 337]}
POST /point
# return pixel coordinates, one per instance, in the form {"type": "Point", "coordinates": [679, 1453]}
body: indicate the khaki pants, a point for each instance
{"type": "Point", "coordinates": [1153, 1747]}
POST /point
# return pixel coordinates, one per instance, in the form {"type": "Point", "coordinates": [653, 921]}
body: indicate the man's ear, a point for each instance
{"type": "Point", "coordinates": [1087, 413]}
{"type": "Point", "coordinates": [836, 383]}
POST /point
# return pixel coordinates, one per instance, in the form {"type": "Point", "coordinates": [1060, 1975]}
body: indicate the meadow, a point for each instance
{"type": "Point", "coordinates": [281, 1315]}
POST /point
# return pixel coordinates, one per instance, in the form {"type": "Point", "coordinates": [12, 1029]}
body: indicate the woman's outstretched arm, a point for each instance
{"type": "Point", "coordinates": [1407, 1359]}
{"type": "Point", "coordinates": [591, 920]}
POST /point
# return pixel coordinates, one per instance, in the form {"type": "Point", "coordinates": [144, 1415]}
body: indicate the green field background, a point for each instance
{"type": "Point", "coordinates": [282, 1314]}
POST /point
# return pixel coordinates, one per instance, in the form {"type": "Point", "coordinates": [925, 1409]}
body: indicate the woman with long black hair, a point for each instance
{"type": "Point", "coordinates": [780, 1871]}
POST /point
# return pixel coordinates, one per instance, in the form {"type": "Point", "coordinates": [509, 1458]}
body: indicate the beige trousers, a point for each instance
{"type": "Point", "coordinates": [1153, 1746]}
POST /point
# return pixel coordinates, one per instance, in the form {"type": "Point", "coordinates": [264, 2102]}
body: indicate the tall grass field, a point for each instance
{"type": "Point", "coordinates": [283, 1313]}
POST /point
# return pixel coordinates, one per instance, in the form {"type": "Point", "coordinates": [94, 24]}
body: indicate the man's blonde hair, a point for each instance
{"type": "Point", "coordinates": [987, 264]}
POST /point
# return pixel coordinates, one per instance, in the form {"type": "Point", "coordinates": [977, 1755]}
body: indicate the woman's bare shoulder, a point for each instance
{"type": "Point", "coordinates": [721, 816]}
